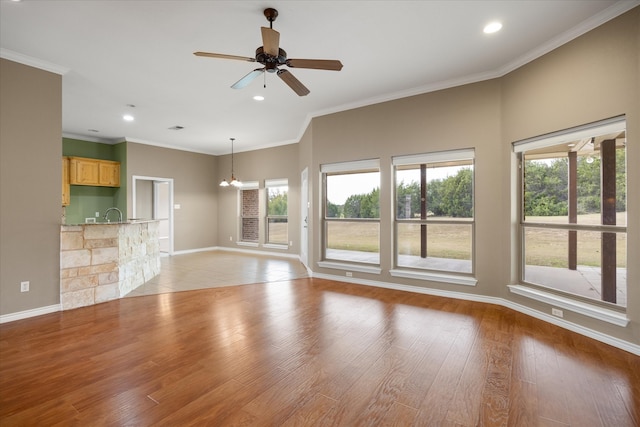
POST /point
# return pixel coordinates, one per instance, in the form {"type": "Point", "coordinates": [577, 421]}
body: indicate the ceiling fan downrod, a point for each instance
{"type": "Point", "coordinates": [271, 14]}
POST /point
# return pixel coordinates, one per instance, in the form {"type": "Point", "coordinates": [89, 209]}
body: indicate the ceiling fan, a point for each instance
{"type": "Point", "coordinates": [272, 56]}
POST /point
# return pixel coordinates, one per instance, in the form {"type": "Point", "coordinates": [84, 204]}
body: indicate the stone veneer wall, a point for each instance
{"type": "Point", "coordinates": [102, 262]}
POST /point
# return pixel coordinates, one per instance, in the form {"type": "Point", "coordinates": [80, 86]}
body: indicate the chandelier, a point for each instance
{"type": "Point", "coordinates": [234, 182]}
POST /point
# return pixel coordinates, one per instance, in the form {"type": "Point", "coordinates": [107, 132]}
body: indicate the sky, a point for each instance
{"type": "Point", "coordinates": [340, 187]}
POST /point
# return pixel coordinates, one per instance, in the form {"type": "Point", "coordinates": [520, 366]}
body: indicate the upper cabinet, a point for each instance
{"type": "Point", "coordinates": [96, 172]}
{"type": "Point", "coordinates": [66, 190]}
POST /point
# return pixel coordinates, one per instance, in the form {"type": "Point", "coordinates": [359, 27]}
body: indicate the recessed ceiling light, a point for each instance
{"type": "Point", "coordinates": [127, 118]}
{"type": "Point", "coordinates": [258, 98]}
{"type": "Point", "coordinates": [492, 27]}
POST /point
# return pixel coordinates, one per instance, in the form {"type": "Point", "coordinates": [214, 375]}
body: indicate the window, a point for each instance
{"type": "Point", "coordinates": [249, 212]}
{"type": "Point", "coordinates": [277, 222]}
{"type": "Point", "coordinates": [573, 211]}
{"type": "Point", "coordinates": [434, 222]}
{"type": "Point", "coordinates": [352, 211]}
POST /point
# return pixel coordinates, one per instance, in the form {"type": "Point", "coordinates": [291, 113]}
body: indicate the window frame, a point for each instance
{"type": "Point", "coordinates": [426, 273]}
{"type": "Point", "coordinates": [345, 168]}
{"type": "Point", "coordinates": [275, 183]}
{"type": "Point", "coordinates": [544, 292]}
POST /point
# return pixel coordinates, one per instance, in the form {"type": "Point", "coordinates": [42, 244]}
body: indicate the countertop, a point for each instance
{"type": "Point", "coordinates": [130, 221]}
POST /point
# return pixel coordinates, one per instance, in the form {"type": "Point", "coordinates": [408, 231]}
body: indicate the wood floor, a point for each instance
{"type": "Point", "coordinates": [308, 352]}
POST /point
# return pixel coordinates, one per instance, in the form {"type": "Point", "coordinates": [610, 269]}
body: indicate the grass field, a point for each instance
{"type": "Point", "coordinates": [543, 246]}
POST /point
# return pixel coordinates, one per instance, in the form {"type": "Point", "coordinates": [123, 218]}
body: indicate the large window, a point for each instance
{"type": "Point", "coordinates": [249, 212]}
{"type": "Point", "coordinates": [277, 220]}
{"type": "Point", "coordinates": [573, 211]}
{"type": "Point", "coordinates": [352, 211]}
{"type": "Point", "coordinates": [434, 221]}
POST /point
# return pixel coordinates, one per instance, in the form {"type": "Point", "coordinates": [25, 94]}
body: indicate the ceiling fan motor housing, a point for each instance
{"type": "Point", "coordinates": [271, 62]}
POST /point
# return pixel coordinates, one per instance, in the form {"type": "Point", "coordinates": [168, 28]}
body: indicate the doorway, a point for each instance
{"type": "Point", "coordinates": [304, 217]}
{"type": "Point", "coordinates": [153, 199]}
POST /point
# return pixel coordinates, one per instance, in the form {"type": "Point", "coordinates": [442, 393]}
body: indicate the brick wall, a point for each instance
{"type": "Point", "coordinates": [250, 215]}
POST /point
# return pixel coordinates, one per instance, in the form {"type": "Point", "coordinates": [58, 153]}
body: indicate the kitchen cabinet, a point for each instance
{"type": "Point", "coordinates": [95, 172]}
{"type": "Point", "coordinates": [66, 188]}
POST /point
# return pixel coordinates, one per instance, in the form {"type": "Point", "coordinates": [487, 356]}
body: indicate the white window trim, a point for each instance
{"type": "Point", "coordinates": [284, 182]}
{"type": "Point", "coordinates": [431, 276]}
{"type": "Point", "coordinates": [426, 274]}
{"type": "Point", "coordinates": [441, 156]}
{"type": "Point", "coordinates": [356, 166]}
{"type": "Point", "coordinates": [602, 127]}
{"type": "Point", "coordinates": [273, 183]}
{"type": "Point", "coordinates": [250, 185]}
{"type": "Point", "coordinates": [593, 311]}
{"type": "Point", "coordinates": [352, 166]}
{"type": "Point", "coordinates": [337, 265]}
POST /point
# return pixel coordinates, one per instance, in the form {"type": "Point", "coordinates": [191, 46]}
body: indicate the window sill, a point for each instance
{"type": "Point", "coordinates": [249, 244]}
{"type": "Point", "coordinates": [435, 277]}
{"type": "Point", "coordinates": [275, 246]}
{"type": "Point", "coordinates": [600, 313]}
{"type": "Point", "coordinates": [350, 267]}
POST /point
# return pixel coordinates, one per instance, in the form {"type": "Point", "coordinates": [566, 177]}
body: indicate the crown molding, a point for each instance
{"type": "Point", "coordinates": [33, 62]}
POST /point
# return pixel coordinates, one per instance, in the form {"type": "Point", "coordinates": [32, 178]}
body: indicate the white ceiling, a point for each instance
{"type": "Point", "coordinates": [115, 53]}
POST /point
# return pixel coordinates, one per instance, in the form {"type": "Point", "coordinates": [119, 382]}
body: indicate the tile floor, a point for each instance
{"type": "Point", "coordinates": [212, 269]}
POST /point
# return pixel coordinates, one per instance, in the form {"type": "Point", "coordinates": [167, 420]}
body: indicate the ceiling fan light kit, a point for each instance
{"type": "Point", "coordinates": [271, 56]}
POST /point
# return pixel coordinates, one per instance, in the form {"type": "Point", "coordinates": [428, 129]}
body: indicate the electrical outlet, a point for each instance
{"type": "Point", "coordinates": [349, 274]}
{"type": "Point", "coordinates": [557, 312]}
{"type": "Point", "coordinates": [290, 242]}
{"type": "Point", "coordinates": [24, 286]}
{"type": "Point", "coordinates": [230, 239]}
{"type": "Point", "coordinates": [97, 214]}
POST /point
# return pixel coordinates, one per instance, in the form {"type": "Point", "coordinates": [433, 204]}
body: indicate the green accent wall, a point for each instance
{"type": "Point", "coordinates": [87, 200]}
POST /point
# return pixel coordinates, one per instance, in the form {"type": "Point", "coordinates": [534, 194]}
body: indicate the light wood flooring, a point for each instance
{"type": "Point", "coordinates": [308, 352]}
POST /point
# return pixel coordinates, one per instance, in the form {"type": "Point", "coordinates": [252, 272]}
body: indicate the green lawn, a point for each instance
{"type": "Point", "coordinates": [543, 246]}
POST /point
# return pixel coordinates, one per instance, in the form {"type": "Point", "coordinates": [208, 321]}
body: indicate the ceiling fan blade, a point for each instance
{"type": "Point", "coordinates": [248, 78]}
{"type": "Point", "coordinates": [317, 64]}
{"type": "Point", "coordinates": [293, 83]}
{"type": "Point", "coordinates": [270, 41]}
{"type": "Point", "coordinates": [223, 56]}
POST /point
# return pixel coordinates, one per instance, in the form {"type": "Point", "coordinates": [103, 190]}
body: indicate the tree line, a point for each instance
{"type": "Point", "coordinates": [545, 193]}
{"type": "Point", "coordinates": [451, 197]}
{"type": "Point", "coordinates": [546, 186]}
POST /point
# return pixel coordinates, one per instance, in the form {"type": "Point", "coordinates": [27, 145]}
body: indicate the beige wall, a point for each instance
{"type": "Point", "coordinates": [30, 186]}
{"type": "Point", "coordinates": [462, 117]}
{"type": "Point", "coordinates": [271, 163]}
{"type": "Point", "coordinates": [194, 187]}
{"type": "Point", "coordinates": [592, 78]}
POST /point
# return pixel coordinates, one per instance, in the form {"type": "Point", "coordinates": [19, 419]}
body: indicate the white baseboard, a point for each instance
{"type": "Point", "coordinates": [598, 336]}
{"type": "Point", "coordinates": [11, 317]}
{"type": "Point", "coordinates": [240, 250]}
{"type": "Point", "coordinates": [193, 251]}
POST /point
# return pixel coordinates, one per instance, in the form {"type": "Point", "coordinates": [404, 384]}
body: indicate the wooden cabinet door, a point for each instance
{"type": "Point", "coordinates": [84, 171]}
{"type": "Point", "coordinates": [66, 189]}
{"type": "Point", "coordinates": [109, 174]}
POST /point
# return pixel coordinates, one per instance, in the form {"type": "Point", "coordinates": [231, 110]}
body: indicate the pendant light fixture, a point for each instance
{"type": "Point", "coordinates": [234, 182]}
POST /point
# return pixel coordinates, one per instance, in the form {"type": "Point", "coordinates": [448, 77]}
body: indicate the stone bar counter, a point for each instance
{"type": "Point", "coordinates": [105, 261]}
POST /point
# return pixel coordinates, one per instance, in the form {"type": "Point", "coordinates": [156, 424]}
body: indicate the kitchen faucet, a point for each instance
{"type": "Point", "coordinates": [113, 209]}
